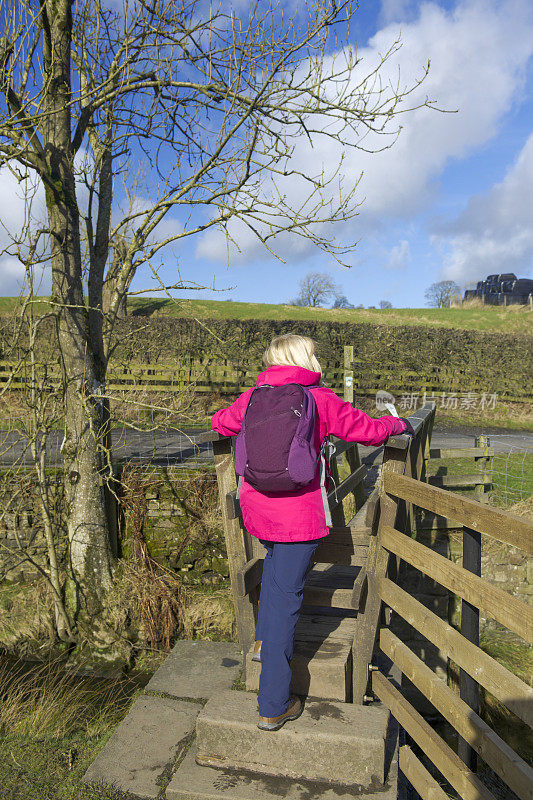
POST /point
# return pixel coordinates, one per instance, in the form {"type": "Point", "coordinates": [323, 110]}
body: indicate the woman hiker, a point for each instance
{"type": "Point", "coordinates": [290, 523]}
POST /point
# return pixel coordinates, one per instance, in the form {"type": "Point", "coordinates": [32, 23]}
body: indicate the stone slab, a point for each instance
{"type": "Point", "coordinates": [197, 669]}
{"type": "Point", "coordinates": [319, 669]}
{"type": "Point", "coordinates": [328, 739]}
{"type": "Point", "coordinates": [145, 744]}
{"type": "Point", "coordinates": [194, 782]}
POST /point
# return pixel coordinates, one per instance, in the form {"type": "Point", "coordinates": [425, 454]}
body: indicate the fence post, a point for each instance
{"type": "Point", "coordinates": [390, 510]}
{"type": "Point", "coordinates": [482, 461]}
{"type": "Point", "coordinates": [468, 686]}
{"type": "Point", "coordinates": [236, 545]}
{"type": "Point", "coordinates": [348, 373]}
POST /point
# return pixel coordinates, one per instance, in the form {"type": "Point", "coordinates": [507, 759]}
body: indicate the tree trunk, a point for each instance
{"type": "Point", "coordinates": [91, 562]}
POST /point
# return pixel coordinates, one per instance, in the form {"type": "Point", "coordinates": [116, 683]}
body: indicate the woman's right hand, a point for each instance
{"type": "Point", "coordinates": [409, 428]}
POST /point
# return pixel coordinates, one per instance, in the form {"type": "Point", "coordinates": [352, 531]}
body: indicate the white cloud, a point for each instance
{"type": "Point", "coordinates": [400, 256]}
{"type": "Point", "coordinates": [13, 217]}
{"type": "Point", "coordinates": [495, 231]}
{"type": "Point", "coordinates": [479, 52]}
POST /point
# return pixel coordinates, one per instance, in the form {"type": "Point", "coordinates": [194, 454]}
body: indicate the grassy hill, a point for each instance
{"type": "Point", "coordinates": [511, 319]}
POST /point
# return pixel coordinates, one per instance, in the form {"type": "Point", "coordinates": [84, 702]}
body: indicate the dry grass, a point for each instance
{"type": "Point", "coordinates": [524, 508]}
{"type": "Point", "coordinates": [209, 615]}
{"type": "Point", "coordinates": [26, 613]}
{"type": "Point", "coordinates": [46, 702]}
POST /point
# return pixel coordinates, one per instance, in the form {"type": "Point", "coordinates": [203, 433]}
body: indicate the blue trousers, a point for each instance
{"type": "Point", "coordinates": [284, 572]}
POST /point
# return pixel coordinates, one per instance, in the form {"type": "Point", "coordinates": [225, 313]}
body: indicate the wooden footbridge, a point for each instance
{"type": "Point", "coordinates": [349, 662]}
{"type": "Point", "coordinates": [369, 684]}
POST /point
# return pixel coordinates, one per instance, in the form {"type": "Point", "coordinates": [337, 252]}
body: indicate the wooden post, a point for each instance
{"type": "Point", "coordinates": [238, 548]}
{"type": "Point", "coordinates": [377, 566]}
{"type": "Point", "coordinates": [482, 461]}
{"type": "Point", "coordinates": [337, 514]}
{"type": "Point", "coordinates": [468, 686]}
{"type": "Point", "coordinates": [353, 460]}
{"type": "Point", "coordinates": [348, 373]}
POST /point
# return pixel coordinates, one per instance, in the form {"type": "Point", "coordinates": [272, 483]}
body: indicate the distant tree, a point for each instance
{"type": "Point", "coordinates": [341, 301]}
{"type": "Point", "coordinates": [371, 306]}
{"type": "Point", "coordinates": [316, 289]}
{"type": "Point", "coordinates": [442, 293]}
{"type": "Point", "coordinates": [385, 304]}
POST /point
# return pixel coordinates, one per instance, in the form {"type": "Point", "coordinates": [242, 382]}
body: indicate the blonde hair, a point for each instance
{"type": "Point", "coordinates": [293, 351]}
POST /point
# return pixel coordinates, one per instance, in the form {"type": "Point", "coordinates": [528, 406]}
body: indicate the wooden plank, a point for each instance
{"type": "Point", "coordinates": [480, 736]}
{"type": "Point", "coordinates": [460, 452]}
{"type": "Point", "coordinates": [465, 783]}
{"type": "Point", "coordinates": [353, 459]}
{"type": "Point", "coordinates": [496, 603]}
{"type": "Point", "coordinates": [329, 585]}
{"type": "Point", "coordinates": [506, 687]}
{"type": "Point", "coordinates": [335, 503]}
{"type": "Point", "coordinates": [360, 589]}
{"type": "Point", "coordinates": [249, 576]}
{"type": "Point", "coordinates": [468, 687]}
{"type": "Point", "coordinates": [376, 568]}
{"type": "Point", "coordinates": [236, 545]}
{"type": "Point", "coordinates": [340, 554]}
{"type": "Point", "coordinates": [418, 776]}
{"type": "Point", "coordinates": [456, 481]}
{"type": "Point", "coordinates": [499, 524]}
{"type": "Point", "coordinates": [232, 505]}
{"type": "Point", "coordinates": [318, 628]}
{"type": "Point", "coordinates": [337, 495]}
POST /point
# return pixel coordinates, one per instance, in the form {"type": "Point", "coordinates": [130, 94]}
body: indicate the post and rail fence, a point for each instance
{"type": "Point", "coordinates": [456, 385]}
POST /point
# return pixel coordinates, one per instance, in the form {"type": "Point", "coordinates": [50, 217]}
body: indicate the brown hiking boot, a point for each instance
{"type": "Point", "coordinates": [294, 710]}
{"type": "Point", "coordinates": [257, 651]}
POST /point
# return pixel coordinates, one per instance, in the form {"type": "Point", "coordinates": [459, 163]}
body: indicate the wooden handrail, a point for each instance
{"type": "Point", "coordinates": [466, 783]}
{"type": "Point", "coordinates": [506, 687]}
{"type": "Point", "coordinates": [501, 525]}
{"type": "Point", "coordinates": [496, 603]}
{"type": "Point", "coordinates": [480, 736]}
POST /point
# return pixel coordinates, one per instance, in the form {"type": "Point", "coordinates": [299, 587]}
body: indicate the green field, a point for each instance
{"type": "Point", "coordinates": [511, 319]}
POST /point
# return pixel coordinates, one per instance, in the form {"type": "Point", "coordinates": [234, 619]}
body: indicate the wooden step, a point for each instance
{"type": "Point", "coordinates": [330, 585]}
{"type": "Point", "coordinates": [347, 546]}
{"type": "Point", "coordinates": [322, 658]}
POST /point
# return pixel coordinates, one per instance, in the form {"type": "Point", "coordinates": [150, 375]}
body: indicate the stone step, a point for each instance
{"type": "Point", "coordinates": [329, 739]}
{"type": "Point", "coordinates": [154, 734]}
{"type": "Point", "coordinates": [319, 669]}
{"type": "Point", "coordinates": [194, 782]}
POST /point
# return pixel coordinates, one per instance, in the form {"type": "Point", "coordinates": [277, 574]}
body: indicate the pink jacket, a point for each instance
{"type": "Point", "coordinates": [299, 516]}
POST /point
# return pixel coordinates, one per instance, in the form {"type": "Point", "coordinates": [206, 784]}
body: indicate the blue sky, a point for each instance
{"type": "Point", "coordinates": [468, 214]}
{"type": "Point", "coordinates": [452, 199]}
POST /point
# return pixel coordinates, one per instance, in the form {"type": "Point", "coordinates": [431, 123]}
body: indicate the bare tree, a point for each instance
{"type": "Point", "coordinates": [385, 304]}
{"type": "Point", "coordinates": [214, 106]}
{"type": "Point", "coordinates": [316, 289]}
{"type": "Point", "coordinates": [442, 293]}
{"type": "Point", "coordinates": [341, 301]}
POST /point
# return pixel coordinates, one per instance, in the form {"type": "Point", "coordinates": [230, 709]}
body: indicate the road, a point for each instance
{"type": "Point", "coordinates": [169, 447]}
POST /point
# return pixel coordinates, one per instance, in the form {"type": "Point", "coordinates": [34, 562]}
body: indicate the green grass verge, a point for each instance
{"type": "Point", "coordinates": [512, 475]}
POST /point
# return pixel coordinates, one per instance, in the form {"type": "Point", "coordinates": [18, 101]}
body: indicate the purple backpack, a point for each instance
{"type": "Point", "coordinates": [275, 448]}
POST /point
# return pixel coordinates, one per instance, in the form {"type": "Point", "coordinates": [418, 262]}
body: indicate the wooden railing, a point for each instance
{"type": "Point", "coordinates": [399, 490]}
